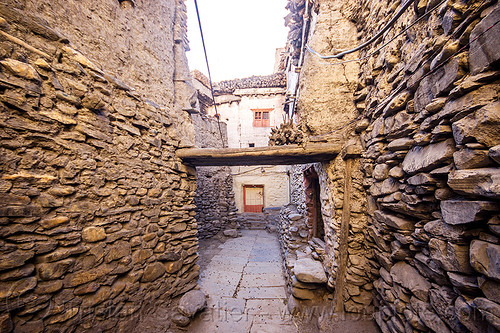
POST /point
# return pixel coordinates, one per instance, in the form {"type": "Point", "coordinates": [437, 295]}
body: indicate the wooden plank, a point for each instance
{"type": "Point", "coordinates": [273, 155]}
{"type": "Point", "coordinates": [344, 240]}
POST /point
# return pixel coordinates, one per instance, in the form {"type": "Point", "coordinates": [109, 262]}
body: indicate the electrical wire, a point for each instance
{"type": "Point", "coordinates": [259, 168]}
{"type": "Point", "coordinates": [209, 74]}
{"type": "Point", "coordinates": [368, 42]}
{"type": "Point", "coordinates": [389, 41]}
{"type": "Point", "coordinates": [383, 104]}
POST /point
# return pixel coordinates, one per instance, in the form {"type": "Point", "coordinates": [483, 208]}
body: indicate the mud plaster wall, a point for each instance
{"type": "Point", "coordinates": [97, 214]}
{"type": "Point", "coordinates": [325, 90]}
{"type": "Point", "coordinates": [428, 118]}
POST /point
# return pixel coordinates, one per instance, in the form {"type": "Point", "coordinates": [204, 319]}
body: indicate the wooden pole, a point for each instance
{"type": "Point", "coordinates": [344, 239]}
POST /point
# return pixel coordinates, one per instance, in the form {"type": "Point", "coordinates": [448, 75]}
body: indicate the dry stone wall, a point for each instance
{"type": "Point", "coordinates": [97, 218]}
{"type": "Point", "coordinates": [356, 265]}
{"type": "Point", "coordinates": [431, 99]}
{"type": "Point", "coordinates": [424, 197]}
{"type": "Point", "coordinates": [214, 200]}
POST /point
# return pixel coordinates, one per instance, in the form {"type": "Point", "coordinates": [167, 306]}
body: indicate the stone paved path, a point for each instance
{"type": "Point", "coordinates": [246, 287]}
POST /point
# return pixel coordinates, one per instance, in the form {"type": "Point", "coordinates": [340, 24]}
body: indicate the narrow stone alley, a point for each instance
{"type": "Point", "coordinates": [245, 284]}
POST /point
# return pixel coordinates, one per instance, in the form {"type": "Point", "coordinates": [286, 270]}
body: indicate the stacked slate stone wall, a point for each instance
{"type": "Point", "coordinates": [97, 214]}
{"type": "Point", "coordinates": [214, 200]}
{"type": "Point", "coordinates": [425, 171]}
{"type": "Point", "coordinates": [357, 267]}
{"type": "Point", "coordinates": [431, 163]}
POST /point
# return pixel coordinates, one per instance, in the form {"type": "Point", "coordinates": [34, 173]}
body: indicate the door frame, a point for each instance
{"type": "Point", "coordinates": [245, 195]}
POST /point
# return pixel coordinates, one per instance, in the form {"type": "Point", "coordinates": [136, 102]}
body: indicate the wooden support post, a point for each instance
{"type": "Point", "coordinates": [344, 238]}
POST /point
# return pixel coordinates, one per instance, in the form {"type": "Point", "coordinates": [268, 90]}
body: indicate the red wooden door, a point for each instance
{"type": "Point", "coordinates": [253, 198]}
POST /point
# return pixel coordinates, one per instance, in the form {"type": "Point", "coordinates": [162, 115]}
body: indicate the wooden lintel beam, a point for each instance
{"type": "Point", "coordinates": [273, 155]}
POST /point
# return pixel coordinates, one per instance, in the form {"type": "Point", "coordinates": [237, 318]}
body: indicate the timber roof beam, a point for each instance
{"type": "Point", "coordinates": [272, 155]}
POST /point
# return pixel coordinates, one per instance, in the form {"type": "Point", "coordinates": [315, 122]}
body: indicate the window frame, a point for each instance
{"type": "Point", "coordinates": [262, 117]}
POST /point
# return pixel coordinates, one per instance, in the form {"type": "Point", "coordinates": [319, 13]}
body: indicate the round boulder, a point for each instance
{"type": "Point", "coordinates": [192, 302]}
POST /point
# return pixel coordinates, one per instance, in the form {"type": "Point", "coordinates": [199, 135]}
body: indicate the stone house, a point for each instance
{"type": "Point", "coordinates": [409, 207]}
{"type": "Point", "coordinates": [249, 108]}
{"type": "Point", "coordinates": [98, 214]}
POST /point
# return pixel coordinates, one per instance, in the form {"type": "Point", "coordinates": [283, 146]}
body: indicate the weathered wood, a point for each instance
{"type": "Point", "coordinates": [344, 239]}
{"type": "Point", "coordinates": [273, 155]}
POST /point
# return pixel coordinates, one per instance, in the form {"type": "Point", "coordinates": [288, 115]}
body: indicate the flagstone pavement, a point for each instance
{"type": "Point", "coordinates": [246, 288]}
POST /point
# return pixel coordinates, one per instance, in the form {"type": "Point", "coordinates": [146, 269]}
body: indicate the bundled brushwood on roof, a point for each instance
{"type": "Point", "coordinates": [268, 81]}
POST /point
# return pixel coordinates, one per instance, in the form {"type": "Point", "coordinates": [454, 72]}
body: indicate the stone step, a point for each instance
{"type": "Point", "coordinates": [252, 217]}
{"type": "Point", "coordinates": [256, 225]}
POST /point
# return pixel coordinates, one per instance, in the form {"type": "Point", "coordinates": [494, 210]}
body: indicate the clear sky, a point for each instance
{"type": "Point", "coordinates": [241, 36]}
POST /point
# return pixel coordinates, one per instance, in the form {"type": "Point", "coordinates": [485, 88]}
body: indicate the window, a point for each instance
{"type": "Point", "coordinates": [251, 145]}
{"type": "Point", "coordinates": [261, 117]}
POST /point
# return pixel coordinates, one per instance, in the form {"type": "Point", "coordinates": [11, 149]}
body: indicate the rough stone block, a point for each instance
{"type": "Point", "coordinates": [464, 283]}
{"type": "Point", "coordinates": [173, 266]}
{"type": "Point", "coordinates": [455, 233]}
{"type": "Point", "coordinates": [476, 182]}
{"type": "Point", "coordinates": [231, 233]}
{"type": "Point", "coordinates": [53, 222]}
{"type": "Point", "coordinates": [482, 126]}
{"type": "Point", "coordinates": [450, 256]}
{"type": "Point", "coordinates": [426, 158]}
{"type": "Point", "coordinates": [484, 42]}
{"type": "Point", "coordinates": [15, 259]}
{"type": "Point", "coordinates": [442, 80]}
{"type": "Point", "coordinates": [48, 287]}
{"type": "Point", "coordinates": [386, 187]}
{"type": "Point", "coordinates": [456, 212]}
{"type": "Point", "coordinates": [79, 278]}
{"type": "Point", "coordinates": [180, 320]}
{"type": "Point", "coordinates": [153, 272]}
{"type": "Point", "coordinates": [428, 316]}
{"type": "Point", "coordinates": [93, 234]}
{"type": "Point", "coordinates": [393, 221]}
{"type": "Point", "coordinates": [54, 270]}
{"type": "Point", "coordinates": [305, 294]}
{"type": "Point", "coordinates": [421, 179]}
{"type": "Point", "coordinates": [470, 317]}
{"type": "Point", "coordinates": [6, 324]}
{"type": "Point", "coordinates": [494, 153]}
{"type": "Point", "coordinates": [309, 271]}
{"type": "Point", "coordinates": [20, 69]}
{"type": "Point", "coordinates": [423, 94]}
{"type": "Point", "coordinates": [442, 300]}
{"type": "Point", "coordinates": [192, 302]}
{"type": "Point", "coordinates": [490, 310]}
{"type": "Point", "coordinates": [490, 288]}
{"type": "Point", "coordinates": [13, 289]}
{"type": "Point", "coordinates": [485, 258]}
{"type": "Point", "coordinates": [408, 277]}
{"type": "Point", "coordinates": [400, 144]}
{"type": "Point", "coordinates": [471, 159]}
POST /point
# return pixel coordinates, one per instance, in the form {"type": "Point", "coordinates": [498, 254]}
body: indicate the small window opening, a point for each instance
{"type": "Point", "coordinates": [261, 117]}
{"type": "Point", "coordinates": [251, 145]}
